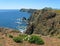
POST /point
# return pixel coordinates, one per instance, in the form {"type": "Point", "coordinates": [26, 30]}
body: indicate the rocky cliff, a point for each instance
{"type": "Point", "coordinates": [28, 10]}
{"type": "Point", "coordinates": [45, 22]}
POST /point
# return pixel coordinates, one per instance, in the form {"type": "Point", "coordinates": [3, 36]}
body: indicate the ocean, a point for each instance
{"type": "Point", "coordinates": [10, 19]}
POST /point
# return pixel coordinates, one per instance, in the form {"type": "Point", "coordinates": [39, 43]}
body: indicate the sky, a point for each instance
{"type": "Point", "coordinates": [34, 4]}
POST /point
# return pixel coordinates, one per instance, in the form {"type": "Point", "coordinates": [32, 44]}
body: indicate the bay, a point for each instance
{"type": "Point", "coordinates": [8, 18]}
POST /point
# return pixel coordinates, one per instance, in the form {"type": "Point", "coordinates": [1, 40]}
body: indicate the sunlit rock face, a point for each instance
{"type": "Point", "coordinates": [45, 22]}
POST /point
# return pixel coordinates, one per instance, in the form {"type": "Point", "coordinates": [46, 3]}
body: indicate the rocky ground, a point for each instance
{"type": "Point", "coordinates": [7, 41]}
{"type": "Point", "coordinates": [45, 21]}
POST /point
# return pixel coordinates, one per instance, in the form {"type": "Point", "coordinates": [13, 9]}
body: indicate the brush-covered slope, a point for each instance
{"type": "Point", "coordinates": [45, 22]}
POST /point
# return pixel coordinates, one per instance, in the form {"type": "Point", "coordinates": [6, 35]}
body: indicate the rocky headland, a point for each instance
{"type": "Point", "coordinates": [45, 22]}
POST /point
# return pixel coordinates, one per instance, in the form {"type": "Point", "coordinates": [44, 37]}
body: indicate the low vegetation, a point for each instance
{"type": "Point", "coordinates": [36, 40]}
{"type": "Point", "coordinates": [11, 36]}
{"type": "Point", "coordinates": [30, 38]}
{"type": "Point", "coordinates": [18, 39]}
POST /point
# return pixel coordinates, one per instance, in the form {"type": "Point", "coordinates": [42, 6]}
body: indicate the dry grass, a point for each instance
{"type": "Point", "coordinates": [6, 41]}
{"type": "Point", "coordinates": [57, 11]}
{"type": "Point", "coordinates": [49, 41]}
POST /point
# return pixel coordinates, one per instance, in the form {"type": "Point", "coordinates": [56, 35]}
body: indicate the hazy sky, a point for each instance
{"type": "Point", "coordinates": [35, 4]}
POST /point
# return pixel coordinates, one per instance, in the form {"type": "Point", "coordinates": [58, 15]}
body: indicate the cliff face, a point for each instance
{"type": "Point", "coordinates": [45, 22]}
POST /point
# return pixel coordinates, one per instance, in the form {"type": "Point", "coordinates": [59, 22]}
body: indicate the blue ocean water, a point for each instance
{"type": "Point", "coordinates": [8, 18]}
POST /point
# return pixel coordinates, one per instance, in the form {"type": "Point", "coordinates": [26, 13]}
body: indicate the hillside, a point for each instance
{"type": "Point", "coordinates": [6, 40]}
{"type": "Point", "coordinates": [45, 22]}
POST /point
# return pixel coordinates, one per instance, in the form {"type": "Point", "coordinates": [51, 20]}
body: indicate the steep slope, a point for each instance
{"type": "Point", "coordinates": [45, 22]}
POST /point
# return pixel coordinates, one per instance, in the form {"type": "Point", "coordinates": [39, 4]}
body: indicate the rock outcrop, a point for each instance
{"type": "Point", "coordinates": [45, 22]}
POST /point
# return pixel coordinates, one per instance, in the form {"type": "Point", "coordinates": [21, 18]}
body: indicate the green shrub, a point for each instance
{"type": "Point", "coordinates": [17, 39]}
{"type": "Point", "coordinates": [36, 40]}
{"type": "Point", "coordinates": [27, 38]}
{"type": "Point", "coordinates": [10, 36]}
